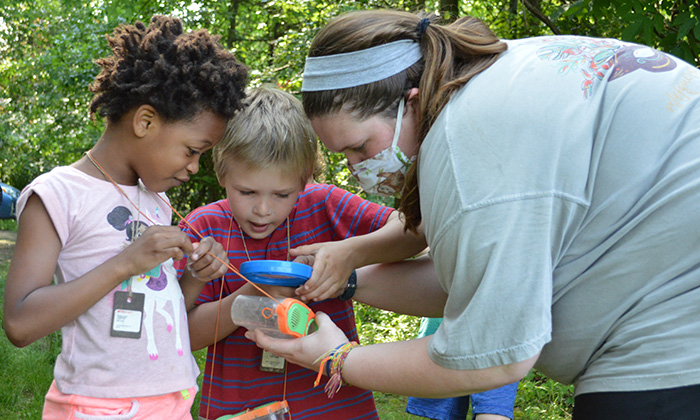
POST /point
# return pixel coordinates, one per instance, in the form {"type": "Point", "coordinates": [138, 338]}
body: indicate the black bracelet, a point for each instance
{"type": "Point", "coordinates": [350, 288]}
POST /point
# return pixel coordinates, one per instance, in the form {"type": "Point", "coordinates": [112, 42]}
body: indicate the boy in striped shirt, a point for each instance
{"type": "Point", "coordinates": [267, 156]}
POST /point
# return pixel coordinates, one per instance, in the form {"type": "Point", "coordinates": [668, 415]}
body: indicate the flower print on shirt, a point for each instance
{"type": "Point", "coordinates": [159, 286]}
{"type": "Point", "coordinates": [594, 58]}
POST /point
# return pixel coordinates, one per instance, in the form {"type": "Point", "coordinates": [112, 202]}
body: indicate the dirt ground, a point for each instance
{"type": "Point", "coordinates": [7, 245]}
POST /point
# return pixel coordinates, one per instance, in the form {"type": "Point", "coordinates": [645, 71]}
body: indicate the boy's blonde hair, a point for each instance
{"type": "Point", "coordinates": [271, 130]}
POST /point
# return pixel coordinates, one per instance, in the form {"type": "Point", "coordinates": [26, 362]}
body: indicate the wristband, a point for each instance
{"type": "Point", "coordinates": [350, 287]}
{"type": "Point", "coordinates": [332, 364]}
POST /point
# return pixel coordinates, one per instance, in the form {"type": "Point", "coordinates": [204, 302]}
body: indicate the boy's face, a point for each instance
{"type": "Point", "coordinates": [260, 199]}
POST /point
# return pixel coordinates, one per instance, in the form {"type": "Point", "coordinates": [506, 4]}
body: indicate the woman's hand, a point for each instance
{"type": "Point", "coordinates": [332, 264]}
{"type": "Point", "coordinates": [304, 351]}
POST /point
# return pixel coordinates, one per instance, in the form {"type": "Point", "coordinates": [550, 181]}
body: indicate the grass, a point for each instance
{"type": "Point", "coordinates": [27, 373]}
{"type": "Point", "coordinates": [8, 224]}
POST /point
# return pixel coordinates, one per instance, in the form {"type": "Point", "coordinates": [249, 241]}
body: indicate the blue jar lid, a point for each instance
{"type": "Point", "coordinates": [275, 272]}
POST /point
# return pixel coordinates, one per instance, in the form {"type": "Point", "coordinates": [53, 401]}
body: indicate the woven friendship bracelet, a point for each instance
{"type": "Point", "coordinates": [332, 365]}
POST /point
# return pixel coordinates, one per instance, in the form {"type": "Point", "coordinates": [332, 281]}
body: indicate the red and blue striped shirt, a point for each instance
{"type": "Point", "coordinates": [322, 213]}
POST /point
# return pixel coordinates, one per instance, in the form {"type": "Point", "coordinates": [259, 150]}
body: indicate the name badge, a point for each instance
{"type": "Point", "coordinates": [272, 363]}
{"type": "Point", "coordinates": [127, 315]}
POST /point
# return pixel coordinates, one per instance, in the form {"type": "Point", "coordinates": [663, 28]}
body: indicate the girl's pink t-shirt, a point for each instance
{"type": "Point", "coordinates": [95, 222]}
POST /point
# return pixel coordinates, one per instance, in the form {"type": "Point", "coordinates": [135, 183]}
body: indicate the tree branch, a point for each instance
{"type": "Point", "coordinates": [535, 10]}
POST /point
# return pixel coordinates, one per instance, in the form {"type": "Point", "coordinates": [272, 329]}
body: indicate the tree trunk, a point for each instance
{"type": "Point", "coordinates": [276, 32]}
{"type": "Point", "coordinates": [449, 10]}
{"type": "Point", "coordinates": [232, 15]}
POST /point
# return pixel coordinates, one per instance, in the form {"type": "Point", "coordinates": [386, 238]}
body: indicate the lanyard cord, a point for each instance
{"type": "Point", "coordinates": [245, 247]}
{"type": "Point", "coordinates": [227, 264]}
{"type": "Point", "coordinates": [99, 167]}
{"type": "Point", "coordinates": [216, 328]}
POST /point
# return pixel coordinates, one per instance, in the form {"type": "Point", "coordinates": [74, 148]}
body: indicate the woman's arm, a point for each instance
{"type": "Point", "coordinates": [403, 368]}
{"type": "Point", "coordinates": [389, 243]}
{"type": "Point", "coordinates": [408, 287]}
{"type": "Point", "coordinates": [334, 261]}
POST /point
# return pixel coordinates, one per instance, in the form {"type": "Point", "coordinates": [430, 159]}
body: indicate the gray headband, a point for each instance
{"type": "Point", "coordinates": [340, 71]}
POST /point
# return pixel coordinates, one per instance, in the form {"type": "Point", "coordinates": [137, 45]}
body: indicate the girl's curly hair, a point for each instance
{"type": "Point", "coordinates": [179, 74]}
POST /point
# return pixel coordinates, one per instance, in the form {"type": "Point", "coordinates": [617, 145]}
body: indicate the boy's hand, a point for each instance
{"type": "Point", "coordinates": [277, 292]}
{"type": "Point", "coordinates": [203, 265]}
{"type": "Point", "coordinates": [332, 264]}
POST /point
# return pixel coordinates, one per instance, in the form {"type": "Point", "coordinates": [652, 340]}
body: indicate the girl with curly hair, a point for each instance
{"type": "Point", "coordinates": [102, 228]}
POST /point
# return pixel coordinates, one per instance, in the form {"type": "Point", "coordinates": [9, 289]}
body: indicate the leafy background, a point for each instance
{"type": "Point", "coordinates": [47, 49]}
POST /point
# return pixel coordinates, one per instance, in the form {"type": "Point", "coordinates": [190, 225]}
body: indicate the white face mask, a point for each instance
{"type": "Point", "coordinates": [384, 173]}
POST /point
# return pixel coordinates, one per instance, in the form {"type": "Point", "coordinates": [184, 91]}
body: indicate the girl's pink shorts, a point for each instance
{"type": "Point", "coordinates": [174, 406]}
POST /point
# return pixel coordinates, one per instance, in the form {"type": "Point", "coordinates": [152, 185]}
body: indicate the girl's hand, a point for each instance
{"type": "Point", "coordinates": [332, 264]}
{"type": "Point", "coordinates": [306, 350]}
{"type": "Point", "coordinates": [208, 261]}
{"type": "Point", "coordinates": [156, 245]}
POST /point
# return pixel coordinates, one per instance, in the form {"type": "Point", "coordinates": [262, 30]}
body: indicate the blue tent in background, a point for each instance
{"type": "Point", "coordinates": [9, 201]}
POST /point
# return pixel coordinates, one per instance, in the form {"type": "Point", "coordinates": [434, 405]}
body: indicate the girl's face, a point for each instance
{"type": "Point", "coordinates": [174, 156]}
{"type": "Point", "coordinates": [260, 199]}
{"type": "Point", "coordinates": [360, 140]}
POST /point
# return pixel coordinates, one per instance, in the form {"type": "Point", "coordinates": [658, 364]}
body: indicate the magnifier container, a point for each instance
{"type": "Point", "coordinates": [289, 318]}
{"type": "Point", "coordinates": [272, 411]}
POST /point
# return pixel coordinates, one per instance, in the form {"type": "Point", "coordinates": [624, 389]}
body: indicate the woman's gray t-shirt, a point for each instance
{"type": "Point", "coordinates": [560, 193]}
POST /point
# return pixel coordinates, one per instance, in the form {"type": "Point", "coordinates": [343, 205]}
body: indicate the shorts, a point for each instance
{"type": "Point", "coordinates": [498, 401]}
{"type": "Point", "coordinates": [173, 406]}
{"type": "Point", "coordinates": [681, 403]}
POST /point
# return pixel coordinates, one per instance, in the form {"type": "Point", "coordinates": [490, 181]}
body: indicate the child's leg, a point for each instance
{"type": "Point", "coordinates": [498, 401]}
{"type": "Point", "coordinates": [439, 408]}
{"type": "Point", "coordinates": [174, 406]}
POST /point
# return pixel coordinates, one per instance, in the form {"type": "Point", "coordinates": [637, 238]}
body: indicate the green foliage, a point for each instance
{"type": "Point", "coordinates": [201, 357]}
{"type": "Point", "coordinates": [8, 224]}
{"type": "Point", "coordinates": [42, 62]}
{"type": "Point", "coordinates": [541, 398]}
{"type": "Point", "coordinates": [26, 373]}
{"type": "Point", "coordinates": [47, 49]}
{"type": "Point", "coordinates": [669, 25]}
{"type": "Point", "coordinates": [392, 407]}
{"type": "Point", "coordinates": [380, 326]}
